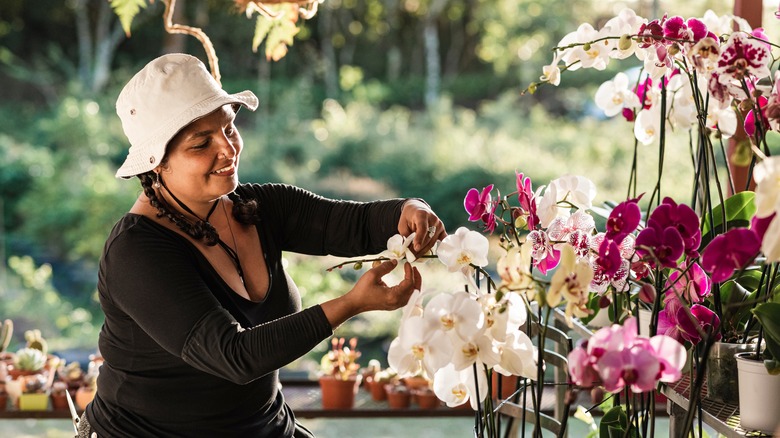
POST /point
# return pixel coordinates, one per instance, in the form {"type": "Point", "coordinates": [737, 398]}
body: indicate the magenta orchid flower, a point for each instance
{"type": "Point", "coordinates": [681, 217]}
{"type": "Point", "coordinates": [691, 30]}
{"type": "Point", "coordinates": [693, 285]}
{"type": "Point", "coordinates": [729, 252]}
{"type": "Point", "coordinates": [480, 206]}
{"type": "Point", "coordinates": [700, 321]}
{"type": "Point", "coordinates": [623, 220]}
{"type": "Point", "coordinates": [750, 118]}
{"type": "Point", "coordinates": [525, 196]}
{"type": "Point", "coordinates": [665, 245]}
{"type": "Point", "coordinates": [478, 203]}
{"type": "Point", "coordinates": [609, 258]}
{"type": "Point", "coordinates": [759, 225]}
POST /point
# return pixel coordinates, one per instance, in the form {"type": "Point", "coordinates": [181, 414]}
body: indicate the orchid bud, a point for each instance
{"type": "Point", "coordinates": [673, 49]}
{"type": "Point", "coordinates": [625, 42]}
{"type": "Point", "coordinates": [358, 266]}
{"type": "Point", "coordinates": [596, 395]}
{"type": "Point", "coordinates": [647, 293]}
{"type": "Point", "coordinates": [604, 302]}
{"type": "Point", "coordinates": [521, 223]}
{"type": "Point", "coordinates": [746, 105]}
{"type": "Point", "coordinates": [532, 87]}
{"type": "Point", "coordinates": [586, 47]}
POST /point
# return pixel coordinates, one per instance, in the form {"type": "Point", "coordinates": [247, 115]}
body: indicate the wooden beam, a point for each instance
{"type": "Point", "coordinates": [750, 10]}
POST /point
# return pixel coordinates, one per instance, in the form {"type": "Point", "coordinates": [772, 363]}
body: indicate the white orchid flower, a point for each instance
{"type": "Point", "coordinates": [461, 250]}
{"type": "Point", "coordinates": [725, 119]}
{"type": "Point", "coordinates": [647, 125]}
{"type": "Point", "coordinates": [593, 55]}
{"type": "Point", "coordinates": [552, 73]}
{"type": "Point", "coordinates": [502, 318]}
{"type": "Point", "coordinates": [625, 23]}
{"type": "Point", "coordinates": [766, 174]}
{"type": "Point", "coordinates": [457, 312]}
{"type": "Point", "coordinates": [770, 245]}
{"type": "Point", "coordinates": [479, 350]}
{"type": "Point", "coordinates": [419, 346]}
{"type": "Point", "coordinates": [398, 248]}
{"type": "Point", "coordinates": [457, 387]}
{"type": "Point", "coordinates": [413, 307]}
{"type": "Point", "coordinates": [612, 96]}
{"type": "Point", "coordinates": [518, 356]}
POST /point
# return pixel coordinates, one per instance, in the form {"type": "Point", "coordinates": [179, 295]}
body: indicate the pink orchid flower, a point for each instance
{"type": "Point", "coordinates": [636, 367]}
{"type": "Point", "coordinates": [694, 285]}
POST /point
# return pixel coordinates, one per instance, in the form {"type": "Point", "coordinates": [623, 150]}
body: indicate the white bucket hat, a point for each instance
{"type": "Point", "coordinates": [165, 96]}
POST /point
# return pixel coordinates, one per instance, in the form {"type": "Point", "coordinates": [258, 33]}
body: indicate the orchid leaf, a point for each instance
{"type": "Point", "coordinates": [740, 209]}
{"type": "Point", "coordinates": [768, 314]}
{"type": "Point", "coordinates": [613, 423]}
{"type": "Point", "coordinates": [126, 10]}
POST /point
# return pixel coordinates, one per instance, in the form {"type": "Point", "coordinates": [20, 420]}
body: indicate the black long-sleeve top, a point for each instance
{"type": "Point", "coordinates": [185, 355]}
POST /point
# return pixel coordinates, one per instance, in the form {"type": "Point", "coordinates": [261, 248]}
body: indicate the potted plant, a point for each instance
{"type": "Point", "coordinates": [759, 375]}
{"type": "Point", "coordinates": [28, 365]}
{"type": "Point", "coordinates": [86, 392]}
{"type": "Point", "coordinates": [339, 379]}
{"type": "Point", "coordinates": [378, 382]}
{"type": "Point", "coordinates": [59, 398]}
{"type": "Point", "coordinates": [72, 375]}
{"type": "Point", "coordinates": [426, 398]}
{"type": "Point", "coordinates": [398, 395]}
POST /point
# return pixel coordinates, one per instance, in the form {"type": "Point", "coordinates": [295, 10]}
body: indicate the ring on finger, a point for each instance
{"type": "Point", "coordinates": [431, 231]}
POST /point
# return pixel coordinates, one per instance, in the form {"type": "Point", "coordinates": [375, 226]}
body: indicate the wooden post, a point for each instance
{"type": "Point", "coordinates": [750, 10]}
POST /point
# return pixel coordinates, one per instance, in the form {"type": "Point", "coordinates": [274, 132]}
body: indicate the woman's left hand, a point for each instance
{"type": "Point", "coordinates": [417, 217]}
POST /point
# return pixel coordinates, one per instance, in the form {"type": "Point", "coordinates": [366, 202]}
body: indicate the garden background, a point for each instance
{"type": "Point", "coordinates": [375, 99]}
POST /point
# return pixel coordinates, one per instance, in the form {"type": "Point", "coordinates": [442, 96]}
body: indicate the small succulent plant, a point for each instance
{"type": "Point", "coordinates": [29, 359]}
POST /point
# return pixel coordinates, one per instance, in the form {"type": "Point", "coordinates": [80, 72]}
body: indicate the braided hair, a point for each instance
{"type": "Point", "coordinates": [245, 212]}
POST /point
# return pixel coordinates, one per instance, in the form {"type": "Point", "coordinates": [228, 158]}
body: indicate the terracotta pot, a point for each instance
{"type": "Point", "coordinates": [508, 385]}
{"type": "Point", "coordinates": [759, 395]}
{"type": "Point", "coordinates": [378, 392]}
{"type": "Point", "coordinates": [59, 402]}
{"type": "Point", "coordinates": [398, 398]}
{"type": "Point", "coordinates": [426, 399]}
{"type": "Point", "coordinates": [3, 402]}
{"type": "Point", "coordinates": [84, 396]}
{"type": "Point", "coordinates": [337, 393]}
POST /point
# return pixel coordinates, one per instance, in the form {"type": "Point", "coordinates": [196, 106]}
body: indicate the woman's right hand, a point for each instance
{"type": "Point", "coordinates": [372, 293]}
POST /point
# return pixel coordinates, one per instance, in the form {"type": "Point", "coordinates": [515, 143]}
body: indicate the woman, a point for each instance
{"type": "Point", "coordinates": [200, 314]}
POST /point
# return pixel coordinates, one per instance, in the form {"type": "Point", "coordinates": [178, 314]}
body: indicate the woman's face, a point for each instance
{"type": "Point", "coordinates": [201, 162]}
